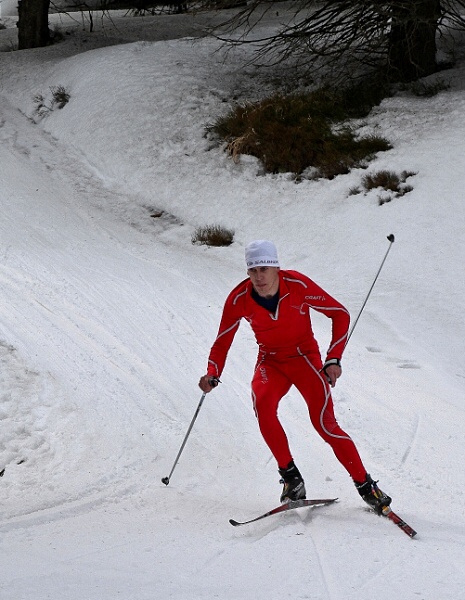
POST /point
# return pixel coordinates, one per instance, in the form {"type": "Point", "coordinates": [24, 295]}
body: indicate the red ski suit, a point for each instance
{"type": "Point", "coordinates": [289, 355]}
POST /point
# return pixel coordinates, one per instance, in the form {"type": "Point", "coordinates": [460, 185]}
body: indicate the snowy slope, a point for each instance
{"type": "Point", "coordinates": [107, 315]}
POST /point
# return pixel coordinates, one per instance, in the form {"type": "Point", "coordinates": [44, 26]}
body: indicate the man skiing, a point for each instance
{"type": "Point", "coordinates": [277, 304]}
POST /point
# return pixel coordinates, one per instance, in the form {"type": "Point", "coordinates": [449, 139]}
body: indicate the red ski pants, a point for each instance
{"type": "Point", "coordinates": [272, 379]}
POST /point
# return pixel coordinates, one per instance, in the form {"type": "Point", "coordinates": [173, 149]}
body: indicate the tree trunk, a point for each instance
{"type": "Point", "coordinates": [412, 38]}
{"type": "Point", "coordinates": [33, 29]}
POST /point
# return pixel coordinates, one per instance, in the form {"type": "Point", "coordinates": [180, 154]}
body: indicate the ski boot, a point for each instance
{"type": "Point", "coordinates": [294, 486]}
{"type": "Point", "coordinates": [373, 496]}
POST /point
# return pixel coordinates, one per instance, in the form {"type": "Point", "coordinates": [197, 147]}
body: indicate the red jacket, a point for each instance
{"type": "Point", "coordinates": [288, 332]}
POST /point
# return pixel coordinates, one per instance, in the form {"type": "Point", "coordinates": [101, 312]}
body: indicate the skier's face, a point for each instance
{"type": "Point", "coordinates": [265, 280]}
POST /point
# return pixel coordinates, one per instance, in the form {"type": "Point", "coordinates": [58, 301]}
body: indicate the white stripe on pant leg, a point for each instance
{"type": "Point", "coordinates": [327, 394]}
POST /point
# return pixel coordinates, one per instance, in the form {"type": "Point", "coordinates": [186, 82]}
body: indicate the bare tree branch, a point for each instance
{"type": "Point", "coordinates": [348, 34]}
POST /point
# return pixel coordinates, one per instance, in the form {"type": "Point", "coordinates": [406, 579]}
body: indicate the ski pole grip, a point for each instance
{"type": "Point", "coordinates": [214, 381]}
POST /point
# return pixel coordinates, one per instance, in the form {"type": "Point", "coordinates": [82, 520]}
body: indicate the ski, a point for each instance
{"type": "Point", "coordinates": [386, 512]}
{"type": "Point", "coordinates": [390, 514]}
{"type": "Point", "coordinates": [285, 507]}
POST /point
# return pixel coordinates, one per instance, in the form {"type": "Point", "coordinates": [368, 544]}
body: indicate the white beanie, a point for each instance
{"type": "Point", "coordinates": [261, 253]}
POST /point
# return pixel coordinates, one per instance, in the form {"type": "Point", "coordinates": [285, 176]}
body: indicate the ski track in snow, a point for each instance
{"type": "Point", "coordinates": [411, 445]}
{"type": "Point", "coordinates": [59, 304]}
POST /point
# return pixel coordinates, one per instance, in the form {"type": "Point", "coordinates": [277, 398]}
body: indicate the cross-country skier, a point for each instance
{"type": "Point", "coordinates": [277, 305]}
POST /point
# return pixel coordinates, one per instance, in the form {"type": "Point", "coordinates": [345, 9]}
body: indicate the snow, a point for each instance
{"type": "Point", "coordinates": [107, 314]}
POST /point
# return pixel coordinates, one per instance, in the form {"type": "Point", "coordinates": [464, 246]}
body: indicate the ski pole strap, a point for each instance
{"type": "Point", "coordinates": [331, 361]}
{"type": "Point", "coordinates": [214, 381]}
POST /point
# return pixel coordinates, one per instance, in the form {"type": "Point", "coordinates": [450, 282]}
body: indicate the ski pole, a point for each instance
{"type": "Point", "coordinates": [166, 480]}
{"type": "Point", "coordinates": [391, 239]}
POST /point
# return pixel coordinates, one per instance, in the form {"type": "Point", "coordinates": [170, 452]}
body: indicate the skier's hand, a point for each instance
{"type": "Point", "coordinates": [208, 382]}
{"type": "Point", "coordinates": [332, 372]}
